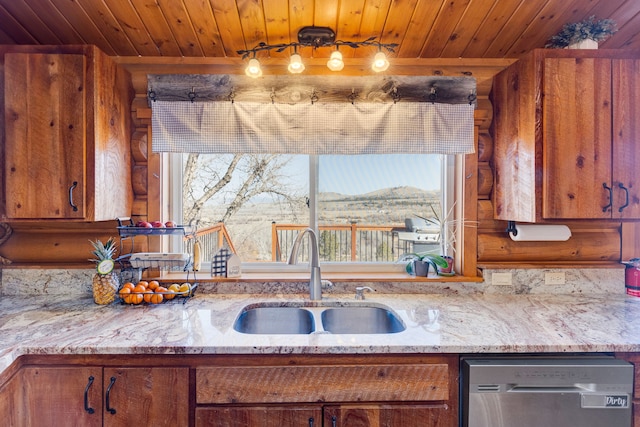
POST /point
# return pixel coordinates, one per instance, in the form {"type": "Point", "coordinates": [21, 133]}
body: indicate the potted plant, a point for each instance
{"type": "Point", "coordinates": [418, 264]}
{"type": "Point", "coordinates": [449, 226]}
{"type": "Point", "coordinates": [590, 29]}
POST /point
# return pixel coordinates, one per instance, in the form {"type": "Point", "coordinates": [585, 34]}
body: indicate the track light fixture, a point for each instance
{"type": "Point", "coordinates": [335, 62]}
{"type": "Point", "coordinates": [253, 68]}
{"type": "Point", "coordinates": [295, 62]}
{"type": "Point", "coordinates": [316, 37]}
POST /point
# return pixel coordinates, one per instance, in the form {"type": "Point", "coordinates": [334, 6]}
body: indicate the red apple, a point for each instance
{"type": "Point", "coordinates": [169, 224]}
{"type": "Point", "coordinates": [143, 224]}
{"type": "Point", "coordinates": [157, 224]}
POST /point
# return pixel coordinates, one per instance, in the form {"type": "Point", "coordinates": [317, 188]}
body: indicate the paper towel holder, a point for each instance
{"type": "Point", "coordinates": [538, 232]}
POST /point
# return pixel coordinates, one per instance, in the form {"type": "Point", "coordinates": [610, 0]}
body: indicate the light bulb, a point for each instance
{"type": "Point", "coordinates": [380, 62]}
{"type": "Point", "coordinates": [253, 69]}
{"type": "Point", "coordinates": [295, 64]}
{"type": "Point", "coordinates": [335, 61]}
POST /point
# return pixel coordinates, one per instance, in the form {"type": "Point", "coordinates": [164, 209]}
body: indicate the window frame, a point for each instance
{"type": "Point", "coordinates": [460, 171]}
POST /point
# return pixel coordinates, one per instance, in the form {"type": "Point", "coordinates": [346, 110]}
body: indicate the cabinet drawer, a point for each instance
{"type": "Point", "coordinates": [342, 383]}
{"type": "Point", "coordinates": [259, 416]}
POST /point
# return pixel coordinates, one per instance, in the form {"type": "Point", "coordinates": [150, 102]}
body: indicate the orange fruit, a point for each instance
{"type": "Point", "coordinates": [135, 298]}
{"type": "Point", "coordinates": [139, 289]}
{"type": "Point", "coordinates": [143, 283]}
{"type": "Point", "coordinates": [155, 298]}
{"type": "Point", "coordinates": [147, 296]}
{"type": "Point", "coordinates": [169, 295]}
{"type": "Point", "coordinates": [125, 294]}
{"type": "Point", "coordinates": [153, 285]}
{"type": "Point", "coordinates": [128, 285]}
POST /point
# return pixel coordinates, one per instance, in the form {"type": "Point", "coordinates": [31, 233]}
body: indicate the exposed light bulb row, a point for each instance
{"type": "Point", "coordinates": [335, 63]}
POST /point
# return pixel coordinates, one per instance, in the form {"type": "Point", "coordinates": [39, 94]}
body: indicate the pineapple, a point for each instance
{"type": "Point", "coordinates": [105, 281]}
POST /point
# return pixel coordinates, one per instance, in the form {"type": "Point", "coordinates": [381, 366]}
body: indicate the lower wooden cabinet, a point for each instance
{"type": "Point", "coordinates": [263, 416]}
{"type": "Point", "coordinates": [101, 396]}
{"type": "Point", "coordinates": [388, 416]}
{"type": "Point", "coordinates": [348, 415]}
{"type": "Point", "coordinates": [343, 392]}
{"type": "Point", "coordinates": [231, 391]}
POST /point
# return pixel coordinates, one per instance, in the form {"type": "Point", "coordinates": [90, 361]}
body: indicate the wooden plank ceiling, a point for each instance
{"type": "Point", "coordinates": [218, 28]}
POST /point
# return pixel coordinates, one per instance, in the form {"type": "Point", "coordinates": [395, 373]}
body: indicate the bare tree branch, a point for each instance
{"type": "Point", "coordinates": [261, 174]}
{"type": "Point", "coordinates": [192, 212]}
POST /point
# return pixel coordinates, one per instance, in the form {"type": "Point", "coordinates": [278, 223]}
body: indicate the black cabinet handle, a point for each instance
{"type": "Point", "coordinates": [334, 421]}
{"type": "Point", "coordinates": [626, 197]}
{"type": "Point", "coordinates": [109, 408]}
{"type": "Point", "coordinates": [606, 187]}
{"type": "Point", "coordinates": [311, 422]}
{"type": "Point", "coordinates": [75, 184]}
{"type": "Point", "coordinates": [86, 396]}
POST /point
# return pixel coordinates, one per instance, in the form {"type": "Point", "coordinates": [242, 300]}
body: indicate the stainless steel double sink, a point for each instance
{"type": "Point", "coordinates": [269, 319]}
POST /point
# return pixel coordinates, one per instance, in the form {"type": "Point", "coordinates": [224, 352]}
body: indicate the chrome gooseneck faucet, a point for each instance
{"type": "Point", "coordinates": [315, 282]}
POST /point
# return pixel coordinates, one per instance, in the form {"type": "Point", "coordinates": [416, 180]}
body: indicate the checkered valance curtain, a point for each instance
{"type": "Point", "coordinates": [318, 128]}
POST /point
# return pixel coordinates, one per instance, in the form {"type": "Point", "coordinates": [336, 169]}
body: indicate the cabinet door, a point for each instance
{"type": "Point", "coordinates": [576, 138]}
{"type": "Point", "coordinates": [64, 396]}
{"type": "Point", "coordinates": [259, 416]}
{"type": "Point", "coordinates": [626, 139]}
{"type": "Point", "coordinates": [12, 401]}
{"type": "Point", "coordinates": [389, 416]}
{"type": "Point", "coordinates": [45, 134]}
{"type": "Point", "coordinates": [146, 397]}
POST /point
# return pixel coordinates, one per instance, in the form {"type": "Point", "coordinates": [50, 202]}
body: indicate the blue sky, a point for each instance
{"type": "Point", "coordinates": [362, 174]}
{"type": "Point", "coordinates": [354, 175]}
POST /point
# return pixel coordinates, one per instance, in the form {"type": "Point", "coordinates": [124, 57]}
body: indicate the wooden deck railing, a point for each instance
{"type": "Point", "coordinates": [338, 243]}
{"type": "Point", "coordinates": [343, 243]}
{"type": "Point", "coordinates": [212, 239]}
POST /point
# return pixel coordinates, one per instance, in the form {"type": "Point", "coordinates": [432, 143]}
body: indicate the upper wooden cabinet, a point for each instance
{"type": "Point", "coordinates": [66, 134]}
{"type": "Point", "coordinates": [565, 130]}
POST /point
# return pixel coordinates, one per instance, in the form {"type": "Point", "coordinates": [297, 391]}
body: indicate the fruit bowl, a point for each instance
{"type": "Point", "coordinates": [153, 293]}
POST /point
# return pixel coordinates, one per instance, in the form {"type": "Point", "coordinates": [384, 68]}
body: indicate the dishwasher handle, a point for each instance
{"type": "Point", "coordinates": [564, 388]}
{"type": "Point", "coordinates": [589, 398]}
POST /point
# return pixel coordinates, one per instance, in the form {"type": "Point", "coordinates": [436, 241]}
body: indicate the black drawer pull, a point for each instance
{"type": "Point", "coordinates": [75, 184]}
{"type": "Point", "coordinates": [606, 187]}
{"type": "Point", "coordinates": [626, 197]}
{"type": "Point", "coordinates": [86, 396]}
{"type": "Point", "coordinates": [109, 408]}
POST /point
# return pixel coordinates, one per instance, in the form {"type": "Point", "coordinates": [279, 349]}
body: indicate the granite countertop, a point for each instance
{"type": "Point", "coordinates": [435, 323]}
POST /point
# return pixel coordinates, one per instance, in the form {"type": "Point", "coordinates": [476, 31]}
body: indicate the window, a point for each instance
{"type": "Point", "coordinates": [258, 202]}
{"type": "Point", "coordinates": [360, 205]}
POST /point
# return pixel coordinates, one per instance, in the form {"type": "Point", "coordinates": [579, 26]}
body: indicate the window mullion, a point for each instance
{"type": "Point", "coordinates": [313, 192]}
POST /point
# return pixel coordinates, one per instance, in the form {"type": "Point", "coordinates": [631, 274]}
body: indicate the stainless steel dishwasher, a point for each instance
{"type": "Point", "coordinates": [583, 391]}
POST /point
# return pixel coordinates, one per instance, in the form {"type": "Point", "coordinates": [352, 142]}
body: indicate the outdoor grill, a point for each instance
{"type": "Point", "coordinates": [424, 235]}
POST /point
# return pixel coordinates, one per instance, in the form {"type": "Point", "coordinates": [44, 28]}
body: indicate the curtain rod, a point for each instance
{"type": "Point", "coordinates": [325, 89]}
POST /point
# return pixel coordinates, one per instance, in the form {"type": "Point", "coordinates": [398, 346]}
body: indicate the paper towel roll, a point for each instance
{"type": "Point", "coordinates": [541, 233]}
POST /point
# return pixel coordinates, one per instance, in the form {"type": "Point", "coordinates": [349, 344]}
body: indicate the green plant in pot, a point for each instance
{"type": "Point", "coordinates": [449, 226]}
{"type": "Point", "coordinates": [418, 264]}
{"type": "Point", "coordinates": [576, 32]}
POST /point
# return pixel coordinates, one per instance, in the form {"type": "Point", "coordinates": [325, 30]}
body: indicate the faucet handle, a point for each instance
{"type": "Point", "coordinates": [360, 291]}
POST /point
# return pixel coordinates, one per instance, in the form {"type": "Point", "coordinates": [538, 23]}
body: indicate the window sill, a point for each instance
{"type": "Point", "coordinates": [249, 277]}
